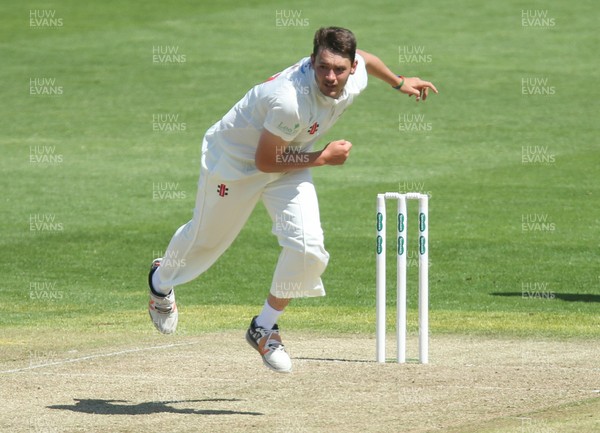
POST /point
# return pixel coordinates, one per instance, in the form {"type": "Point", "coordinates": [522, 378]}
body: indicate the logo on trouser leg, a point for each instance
{"type": "Point", "coordinates": [222, 190]}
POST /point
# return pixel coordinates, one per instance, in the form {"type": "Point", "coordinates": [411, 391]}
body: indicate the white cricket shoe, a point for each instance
{"type": "Point", "coordinates": [162, 309]}
{"type": "Point", "coordinates": [268, 343]}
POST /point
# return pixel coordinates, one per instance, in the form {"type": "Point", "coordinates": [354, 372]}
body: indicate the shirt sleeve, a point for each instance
{"type": "Point", "coordinates": [283, 117]}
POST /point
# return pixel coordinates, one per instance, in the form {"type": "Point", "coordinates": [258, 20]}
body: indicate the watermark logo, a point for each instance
{"type": "Point", "coordinates": [43, 86]}
{"type": "Point", "coordinates": [163, 394]}
{"type": "Point", "coordinates": [291, 155]}
{"type": "Point", "coordinates": [44, 155]}
{"type": "Point", "coordinates": [413, 123]}
{"type": "Point", "coordinates": [536, 86]}
{"type": "Point", "coordinates": [289, 289]}
{"type": "Point", "coordinates": [300, 86]}
{"type": "Point", "coordinates": [537, 222]}
{"type": "Point", "coordinates": [413, 54]}
{"type": "Point", "coordinates": [165, 122]}
{"type": "Point", "coordinates": [167, 191]}
{"type": "Point", "coordinates": [167, 54]}
{"type": "Point", "coordinates": [170, 258]}
{"type": "Point", "coordinates": [413, 256]}
{"type": "Point", "coordinates": [44, 18]}
{"type": "Point", "coordinates": [286, 223]}
{"type": "Point", "coordinates": [537, 155]}
{"type": "Point", "coordinates": [415, 395]}
{"type": "Point", "coordinates": [44, 291]}
{"type": "Point", "coordinates": [537, 18]}
{"type": "Point", "coordinates": [536, 290]}
{"type": "Point", "coordinates": [42, 357]}
{"type": "Point", "coordinates": [529, 425]}
{"type": "Point", "coordinates": [38, 424]}
{"type": "Point", "coordinates": [535, 358]}
{"type": "Point", "coordinates": [45, 222]}
{"type": "Point", "coordinates": [412, 186]}
{"type": "Point", "coordinates": [290, 18]}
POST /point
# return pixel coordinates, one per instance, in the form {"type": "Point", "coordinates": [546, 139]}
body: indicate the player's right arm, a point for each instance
{"type": "Point", "coordinates": [274, 154]}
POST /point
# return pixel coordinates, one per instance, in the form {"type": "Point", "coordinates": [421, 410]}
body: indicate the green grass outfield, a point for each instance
{"type": "Point", "coordinates": [509, 154]}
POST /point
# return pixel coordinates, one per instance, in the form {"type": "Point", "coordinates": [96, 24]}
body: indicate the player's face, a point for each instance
{"type": "Point", "coordinates": [331, 72]}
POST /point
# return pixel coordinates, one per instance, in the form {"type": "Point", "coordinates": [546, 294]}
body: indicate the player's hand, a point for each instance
{"type": "Point", "coordinates": [414, 86]}
{"type": "Point", "coordinates": [336, 152]}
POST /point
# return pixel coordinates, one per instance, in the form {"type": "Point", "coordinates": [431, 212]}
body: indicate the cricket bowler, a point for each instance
{"type": "Point", "coordinates": [263, 150]}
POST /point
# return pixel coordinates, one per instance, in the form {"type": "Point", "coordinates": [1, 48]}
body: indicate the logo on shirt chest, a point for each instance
{"type": "Point", "coordinates": [324, 120]}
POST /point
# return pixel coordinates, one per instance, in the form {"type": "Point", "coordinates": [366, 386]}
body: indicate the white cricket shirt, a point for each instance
{"type": "Point", "coordinates": [289, 105]}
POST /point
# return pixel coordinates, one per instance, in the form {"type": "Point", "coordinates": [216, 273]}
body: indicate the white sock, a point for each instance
{"type": "Point", "coordinates": [157, 286]}
{"type": "Point", "coordinates": [268, 316]}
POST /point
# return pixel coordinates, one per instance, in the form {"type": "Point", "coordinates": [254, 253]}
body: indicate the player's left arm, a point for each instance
{"type": "Point", "coordinates": [410, 85]}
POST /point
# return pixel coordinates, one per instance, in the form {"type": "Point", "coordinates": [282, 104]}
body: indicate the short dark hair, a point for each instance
{"type": "Point", "coordinates": [336, 39]}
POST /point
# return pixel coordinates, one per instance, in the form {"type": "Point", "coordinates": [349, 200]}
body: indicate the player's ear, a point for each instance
{"type": "Point", "coordinates": [353, 68]}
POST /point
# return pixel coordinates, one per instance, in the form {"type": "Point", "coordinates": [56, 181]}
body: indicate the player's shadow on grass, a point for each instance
{"type": "Point", "coordinates": [123, 407]}
{"type": "Point", "coordinates": [570, 297]}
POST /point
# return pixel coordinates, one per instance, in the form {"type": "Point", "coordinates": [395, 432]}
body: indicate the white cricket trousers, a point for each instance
{"type": "Point", "coordinates": [222, 209]}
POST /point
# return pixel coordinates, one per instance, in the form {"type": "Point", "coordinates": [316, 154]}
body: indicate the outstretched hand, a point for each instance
{"type": "Point", "coordinates": [414, 86]}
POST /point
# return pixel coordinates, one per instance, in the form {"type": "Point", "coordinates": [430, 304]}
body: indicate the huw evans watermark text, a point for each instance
{"type": "Point", "coordinates": [44, 155]}
{"type": "Point", "coordinates": [167, 191]}
{"type": "Point", "coordinates": [44, 18]}
{"type": "Point", "coordinates": [537, 222]}
{"type": "Point", "coordinates": [166, 122]}
{"type": "Point", "coordinates": [413, 54]}
{"type": "Point", "coordinates": [44, 290]}
{"type": "Point", "coordinates": [412, 186]}
{"type": "Point", "coordinates": [170, 258]}
{"type": "Point", "coordinates": [167, 54]}
{"type": "Point", "coordinates": [286, 223]}
{"type": "Point", "coordinates": [43, 86]}
{"type": "Point", "coordinates": [409, 122]}
{"type": "Point", "coordinates": [537, 86]}
{"type": "Point", "coordinates": [291, 155]}
{"type": "Point", "coordinates": [290, 18]}
{"type": "Point", "coordinates": [44, 222]}
{"type": "Point", "coordinates": [537, 19]}
{"type": "Point", "coordinates": [537, 155]}
{"type": "Point", "coordinates": [536, 290]}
